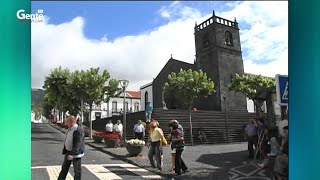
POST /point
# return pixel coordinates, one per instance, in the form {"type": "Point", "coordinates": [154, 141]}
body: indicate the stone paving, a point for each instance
{"type": "Point", "coordinates": [214, 162]}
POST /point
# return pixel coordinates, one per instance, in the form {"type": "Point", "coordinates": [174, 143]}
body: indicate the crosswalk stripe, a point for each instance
{"type": "Point", "coordinates": [101, 172]}
{"type": "Point", "coordinates": [137, 170]}
{"type": "Point", "coordinates": [152, 177]}
{"type": "Point", "coordinates": [53, 172]}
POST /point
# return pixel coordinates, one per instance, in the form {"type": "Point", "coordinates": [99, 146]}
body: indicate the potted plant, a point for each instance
{"type": "Point", "coordinates": [98, 136]}
{"type": "Point", "coordinates": [135, 146]}
{"type": "Point", "coordinates": [111, 140]}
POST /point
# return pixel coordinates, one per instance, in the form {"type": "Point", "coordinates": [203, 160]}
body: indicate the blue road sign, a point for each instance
{"type": "Point", "coordinates": [282, 86]}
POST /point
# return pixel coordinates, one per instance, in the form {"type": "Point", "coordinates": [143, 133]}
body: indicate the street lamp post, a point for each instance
{"type": "Point", "coordinates": [124, 84]}
{"type": "Point", "coordinates": [226, 116]}
{"type": "Point", "coordinates": [81, 122]}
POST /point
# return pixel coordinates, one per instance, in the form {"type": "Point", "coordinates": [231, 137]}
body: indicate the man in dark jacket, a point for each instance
{"type": "Point", "coordinates": [73, 149]}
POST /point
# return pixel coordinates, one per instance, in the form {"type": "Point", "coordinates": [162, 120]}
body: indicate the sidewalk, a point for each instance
{"type": "Point", "coordinates": [214, 162]}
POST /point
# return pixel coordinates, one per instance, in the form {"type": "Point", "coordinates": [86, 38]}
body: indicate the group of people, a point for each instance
{"type": "Point", "coordinates": [157, 140]}
{"type": "Point", "coordinates": [274, 148]}
{"type": "Point", "coordinates": [117, 128]}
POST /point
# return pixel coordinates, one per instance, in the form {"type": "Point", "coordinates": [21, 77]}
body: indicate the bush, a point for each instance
{"type": "Point", "coordinates": [112, 136]}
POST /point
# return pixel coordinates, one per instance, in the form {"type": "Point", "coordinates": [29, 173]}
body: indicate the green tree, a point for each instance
{"type": "Point", "coordinates": [190, 85]}
{"type": "Point", "coordinates": [47, 108]}
{"type": "Point", "coordinates": [89, 86]}
{"type": "Point", "coordinates": [56, 89]}
{"type": "Point", "coordinates": [251, 85]}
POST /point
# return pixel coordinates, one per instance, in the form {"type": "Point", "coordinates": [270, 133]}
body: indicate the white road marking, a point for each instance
{"type": "Point", "coordinates": [53, 172]}
{"type": "Point", "coordinates": [102, 172]}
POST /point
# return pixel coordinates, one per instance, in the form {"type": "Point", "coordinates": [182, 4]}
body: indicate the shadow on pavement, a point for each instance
{"type": "Point", "coordinates": [46, 139]}
{"type": "Point", "coordinates": [224, 160]}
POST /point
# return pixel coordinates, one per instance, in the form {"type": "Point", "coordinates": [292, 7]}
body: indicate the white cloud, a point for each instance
{"type": "Point", "coordinates": [140, 58]}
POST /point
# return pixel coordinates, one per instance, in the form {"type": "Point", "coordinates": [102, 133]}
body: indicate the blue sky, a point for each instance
{"type": "Point", "coordinates": [116, 19]}
{"type": "Point", "coordinates": [141, 36]}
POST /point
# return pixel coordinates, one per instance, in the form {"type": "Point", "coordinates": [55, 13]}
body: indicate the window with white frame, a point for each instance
{"type": "Point", "coordinates": [114, 106]}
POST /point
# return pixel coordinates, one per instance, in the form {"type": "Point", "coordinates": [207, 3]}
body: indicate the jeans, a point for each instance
{"type": "Point", "coordinates": [65, 168]}
{"type": "Point", "coordinates": [155, 151]}
{"type": "Point", "coordinates": [252, 140]}
{"type": "Point", "coordinates": [179, 163]}
{"type": "Point", "coordinates": [148, 116]}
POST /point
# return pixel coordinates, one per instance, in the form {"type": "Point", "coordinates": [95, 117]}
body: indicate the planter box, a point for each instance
{"type": "Point", "coordinates": [111, 143]}
{"type": "Point", "coordinates": [97, 139]}
{"type": "Point", "coordinates": [134, 150]}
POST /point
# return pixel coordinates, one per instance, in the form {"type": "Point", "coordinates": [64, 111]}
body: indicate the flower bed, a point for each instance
{"type": "Point", "coordinates": [111, 140]}
{"type": "Point", "coordinates": [98, 137]}
{"type": "Point", "coordinates": [135, 146]}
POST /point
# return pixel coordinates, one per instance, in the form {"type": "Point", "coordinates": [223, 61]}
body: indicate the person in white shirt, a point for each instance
{"type": "Point", "coordinates": [118, 128]}
{"type": "Point", "coordinates": [109, 127]}
{"type": "Point", "coordinates": [139, 131]}
{"type": "Point", "coordinates": [282, 133]}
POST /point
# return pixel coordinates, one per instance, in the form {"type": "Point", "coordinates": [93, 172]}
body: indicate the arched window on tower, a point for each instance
{"type": "Point", "coordinates": [228, 38]}
{"type": "Point", "coordinates": [205, 40]}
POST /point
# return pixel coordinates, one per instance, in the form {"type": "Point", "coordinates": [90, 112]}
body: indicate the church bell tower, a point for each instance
{"type": "Point", "coordinates": [218, 53]}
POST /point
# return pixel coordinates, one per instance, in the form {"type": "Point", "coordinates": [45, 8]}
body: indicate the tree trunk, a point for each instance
{"type": "Point", "coordinates": [257, 104]}
{"type": "Point", "coordinates": [60, 116]}
{"type": "Point", "coordinates": [190, 125]}
{"type": "Point", "coordinates": [90, 122]}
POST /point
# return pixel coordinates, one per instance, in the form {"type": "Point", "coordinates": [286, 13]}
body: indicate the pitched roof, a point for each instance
{"type": "Point", "coordinates": [133, 94]}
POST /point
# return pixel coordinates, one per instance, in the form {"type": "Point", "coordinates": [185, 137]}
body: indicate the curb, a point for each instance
{"type": "Point", "coordinates": [122, 158]}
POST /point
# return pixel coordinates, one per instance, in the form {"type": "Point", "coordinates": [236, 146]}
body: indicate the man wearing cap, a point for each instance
{"type": "Point", "coordinates": [73, 149]}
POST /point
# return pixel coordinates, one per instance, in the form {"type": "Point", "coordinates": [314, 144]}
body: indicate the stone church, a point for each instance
{"type": "Point", "coordinates": [218, 54]}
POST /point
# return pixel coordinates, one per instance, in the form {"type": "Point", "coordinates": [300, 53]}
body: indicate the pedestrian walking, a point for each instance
{"type": "Point", "coordinates": [73, 149]}
{"type": "Point", "coordinates": [139, 130]}
{"type": "Point", "coordinates": [149, 109]}
{"type": "Point", "coordinates": [252, 136]}
{"type": "Point", "coordinates": [173, 150]}
{"type": "Point", "coordinates": [155, 137]}
{"type": "Point", "coordinates": [109, 127]}
{"type": "Point", "coordinates": [177, 138]}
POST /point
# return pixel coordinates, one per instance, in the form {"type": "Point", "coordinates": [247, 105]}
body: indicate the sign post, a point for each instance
{"type": "Point", "coordinates": [282, 88]}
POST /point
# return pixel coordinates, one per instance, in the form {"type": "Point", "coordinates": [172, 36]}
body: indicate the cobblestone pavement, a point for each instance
{"type": "Point", "coordinates": [214, 162]}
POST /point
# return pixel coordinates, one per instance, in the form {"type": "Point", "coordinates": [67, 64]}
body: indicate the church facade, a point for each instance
{"type": "Point", "coordinates": [219, 55]}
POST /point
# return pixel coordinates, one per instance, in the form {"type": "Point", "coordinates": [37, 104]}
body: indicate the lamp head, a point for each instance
{"type": "Point", "coordinates": [124, 84]}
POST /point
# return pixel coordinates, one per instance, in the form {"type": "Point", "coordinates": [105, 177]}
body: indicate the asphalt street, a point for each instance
{"type": "Point", "coordinates": [47, 144]}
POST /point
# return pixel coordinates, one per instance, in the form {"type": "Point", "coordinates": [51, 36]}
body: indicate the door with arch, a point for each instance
{"type": "Point", "coordinates": [146, 99]}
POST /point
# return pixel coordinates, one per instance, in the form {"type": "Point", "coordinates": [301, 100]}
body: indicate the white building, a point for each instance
{"type": "Point", "coordinates": [115, 106]}
{"type": "Point", "coordinates": [146, 95]}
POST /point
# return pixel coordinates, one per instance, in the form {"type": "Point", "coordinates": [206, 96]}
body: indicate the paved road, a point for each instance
{"type": "Point", "coordinates": [47, 144]}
